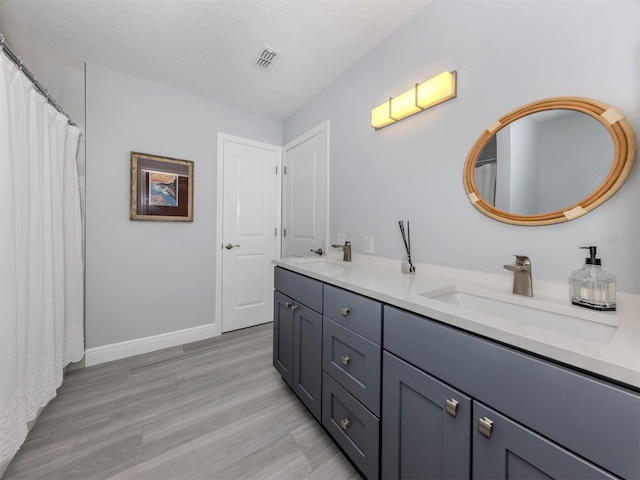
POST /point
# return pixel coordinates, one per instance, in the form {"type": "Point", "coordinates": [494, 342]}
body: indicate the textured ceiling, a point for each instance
{"type": "Point", "coordinates": [207, 47]}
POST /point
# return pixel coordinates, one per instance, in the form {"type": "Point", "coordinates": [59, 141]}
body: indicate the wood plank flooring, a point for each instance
{"type": "Point", "coordinates": [215, 409]}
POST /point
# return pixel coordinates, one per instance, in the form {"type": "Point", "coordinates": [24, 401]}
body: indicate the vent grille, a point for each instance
{"type": "Point", "coordinates": [266, 58]}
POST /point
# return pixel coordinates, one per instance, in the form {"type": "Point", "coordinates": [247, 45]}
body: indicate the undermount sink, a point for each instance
{"type": "Point", "coordinates": [323, 265]}
{"type": "Point", "coordinates": [531, 317]}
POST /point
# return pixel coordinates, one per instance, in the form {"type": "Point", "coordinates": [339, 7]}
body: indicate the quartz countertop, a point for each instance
{"type": "Point", "coordinates": [614, 352]}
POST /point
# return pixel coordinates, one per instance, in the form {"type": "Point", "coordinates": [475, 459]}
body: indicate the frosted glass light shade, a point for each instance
{"type": "Point", "coordinates": [437, 90]}
{"type": "Point", "coordinates": [380, 116]}
{"type": "Point", "coordinates": [424, 95]}
{"type": "Point", "coordinates": [404, 105]}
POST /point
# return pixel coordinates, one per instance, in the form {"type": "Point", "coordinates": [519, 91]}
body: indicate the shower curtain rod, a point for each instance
{"type": "Point", "coordinates": [18, 61]}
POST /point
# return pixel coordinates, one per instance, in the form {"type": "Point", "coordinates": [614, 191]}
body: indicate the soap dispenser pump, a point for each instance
{"type": "Point", "coordinates": [591, 286]}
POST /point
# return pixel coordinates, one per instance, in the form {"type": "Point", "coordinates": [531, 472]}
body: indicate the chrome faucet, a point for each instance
{"type": "Point", "coordinates": [346, 251]}
{"type": "Point", "coordinates": [522, 284]}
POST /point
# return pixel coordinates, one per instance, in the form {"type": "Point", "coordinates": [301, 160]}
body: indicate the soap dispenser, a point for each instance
{"type": "Point", "coordinates": [591, 286]}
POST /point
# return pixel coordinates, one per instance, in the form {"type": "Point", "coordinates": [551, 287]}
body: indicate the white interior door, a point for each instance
{"type": "Point", "coordinates": [249, 232]}
{"type": "Point", "coordinates": [305, 197]}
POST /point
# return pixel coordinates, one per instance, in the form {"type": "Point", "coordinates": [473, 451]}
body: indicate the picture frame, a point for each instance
{"type": "Point", "coordinates": [161, 188]}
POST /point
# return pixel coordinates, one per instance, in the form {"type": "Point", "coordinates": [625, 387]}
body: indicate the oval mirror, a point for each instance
{"type": "Point", "coordinates": [549, 161]}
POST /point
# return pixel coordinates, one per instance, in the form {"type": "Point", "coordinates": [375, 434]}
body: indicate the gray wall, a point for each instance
{"type": "Point", "coordinates": [148, 278]}
{"type": "Point", "coordinates": [507, 54]}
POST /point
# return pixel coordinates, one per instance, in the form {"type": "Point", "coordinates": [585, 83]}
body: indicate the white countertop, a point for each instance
{"type": "Point", "coordinates": [616, 355]}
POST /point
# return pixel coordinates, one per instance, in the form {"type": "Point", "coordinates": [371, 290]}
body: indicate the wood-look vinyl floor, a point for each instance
{"type": "Point", "coordinates": [214, 409]}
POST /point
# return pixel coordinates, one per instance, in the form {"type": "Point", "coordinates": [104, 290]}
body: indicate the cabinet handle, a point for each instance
{"type": "Point", "coordinates": [344, 423]}
{"type": "Point", "coordinates": [288, 304]}
{"type": "Point", "coordinates": [451, 407]}
{"type": "Point", "coordinates": [344, 311]}
{"type": "Point", "coordinates": [485, 426]}
{"type": "Point", "coordinates": [346, 359]}
{"type": "Point", "coordinates": [294, 308]}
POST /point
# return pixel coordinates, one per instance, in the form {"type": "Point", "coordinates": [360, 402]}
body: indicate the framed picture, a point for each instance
{"type": "Point", "coordinates": [161, 188]}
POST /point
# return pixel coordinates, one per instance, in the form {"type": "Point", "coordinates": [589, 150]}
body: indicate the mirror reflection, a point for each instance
{"type": "Point", "coordinates": [543, 162]}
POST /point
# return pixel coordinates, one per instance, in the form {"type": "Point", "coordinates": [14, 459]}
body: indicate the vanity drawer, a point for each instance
{"type": "Point", "coordinates": [593, 418]}
{"type": "Point", "coordinates": [353, 361]}
{"type": "Point", "coordinates": [300, 288]}
{"type": "Point", "coordinates": [357, 313]}
{"type": "Point", "coordinates": [352, 426]}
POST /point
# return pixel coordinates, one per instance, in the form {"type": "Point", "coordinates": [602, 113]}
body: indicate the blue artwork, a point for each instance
{"type": "Point", "coordinates": [163, 189]}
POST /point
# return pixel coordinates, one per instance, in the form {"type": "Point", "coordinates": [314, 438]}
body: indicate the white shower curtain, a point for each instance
{"type": "Point", "coordinates": [41, 264]}
{"type": "Point", "coordinates": [485, 178]}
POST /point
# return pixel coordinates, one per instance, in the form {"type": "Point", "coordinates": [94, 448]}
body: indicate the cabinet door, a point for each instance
{"type": "Point", "coordinates": [307, 357]}
{"type": "Point", "coordinates": [425, 425]}
{"type": "Point", "coordinates": [503, 448]}
{"type": "Point", "coordinates": [283, 336]}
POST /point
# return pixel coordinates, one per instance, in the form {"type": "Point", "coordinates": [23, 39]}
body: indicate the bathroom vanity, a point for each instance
{"type": "Point", "coordinates": [412, 379]}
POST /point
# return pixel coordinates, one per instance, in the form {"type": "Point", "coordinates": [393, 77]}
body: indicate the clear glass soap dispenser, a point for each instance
{"type": "Point", "coordinates": [591, 286]}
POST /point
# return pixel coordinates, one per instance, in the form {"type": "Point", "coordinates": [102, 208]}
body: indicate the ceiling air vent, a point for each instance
{"type": "Point", "coordinates": [266, 58]}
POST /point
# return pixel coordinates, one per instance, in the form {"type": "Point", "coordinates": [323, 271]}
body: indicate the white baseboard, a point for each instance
{"type": "Point", "coordinates": [116, 351]}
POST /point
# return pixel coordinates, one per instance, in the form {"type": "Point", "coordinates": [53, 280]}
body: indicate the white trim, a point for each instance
{"type": "Point", "coordinates": [129, 348]}
{"type": "Point", "coordinates": [222, 137]}
{"type": "Point", "coordinates": [321, 127]}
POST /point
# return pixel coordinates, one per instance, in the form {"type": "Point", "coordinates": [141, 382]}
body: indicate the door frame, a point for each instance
{"type": "Point", "coordinates": [321, 127]}
{"type": "Point", "coordinates": [222, 137]}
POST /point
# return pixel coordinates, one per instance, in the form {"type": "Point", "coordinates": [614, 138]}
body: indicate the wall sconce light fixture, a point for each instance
{"type": "Point", "coordinates": [424, 95]}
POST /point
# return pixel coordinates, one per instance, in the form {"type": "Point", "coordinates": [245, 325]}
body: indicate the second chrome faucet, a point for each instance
{"type": "Point", "coordinates": [346, 251]}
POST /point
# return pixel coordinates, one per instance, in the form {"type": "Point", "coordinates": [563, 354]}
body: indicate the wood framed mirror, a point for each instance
{"type": "Point", "coordinates": [549, 161]}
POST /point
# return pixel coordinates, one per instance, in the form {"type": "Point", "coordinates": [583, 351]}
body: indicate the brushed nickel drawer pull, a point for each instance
{"type": "Point", "coordinates": [344, 423]}
{"type": "Point", "coordinates": [344, 311]}
{"type": "Point", "coordinates": [294, 308]}
{"type": "Point", "coordinates": [452, 407]}
{"type": "Point", "coordinates": [288, 304]}
{"type": "Point", "coordinates": [485, 426]}
{"type": "Point", "coordinates": [346, 359]}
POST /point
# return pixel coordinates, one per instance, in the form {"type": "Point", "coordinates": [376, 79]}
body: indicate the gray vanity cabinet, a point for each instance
{"type": "Point", "coordinates": [503, 448]}
{"type": "Point", "coordinates": [564, 423]}
{"type": "Point", "coordinates": [297, 336]}
{"type": "Point", "coordinates": [422, 399]}
{"type": "Point", "coordinates": [425, 425]}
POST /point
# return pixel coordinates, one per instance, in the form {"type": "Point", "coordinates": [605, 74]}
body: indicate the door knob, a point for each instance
{"type": "Point", "coordinates": [228, 246]}
{"type": "Point", "coordinates": [318, 251]}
